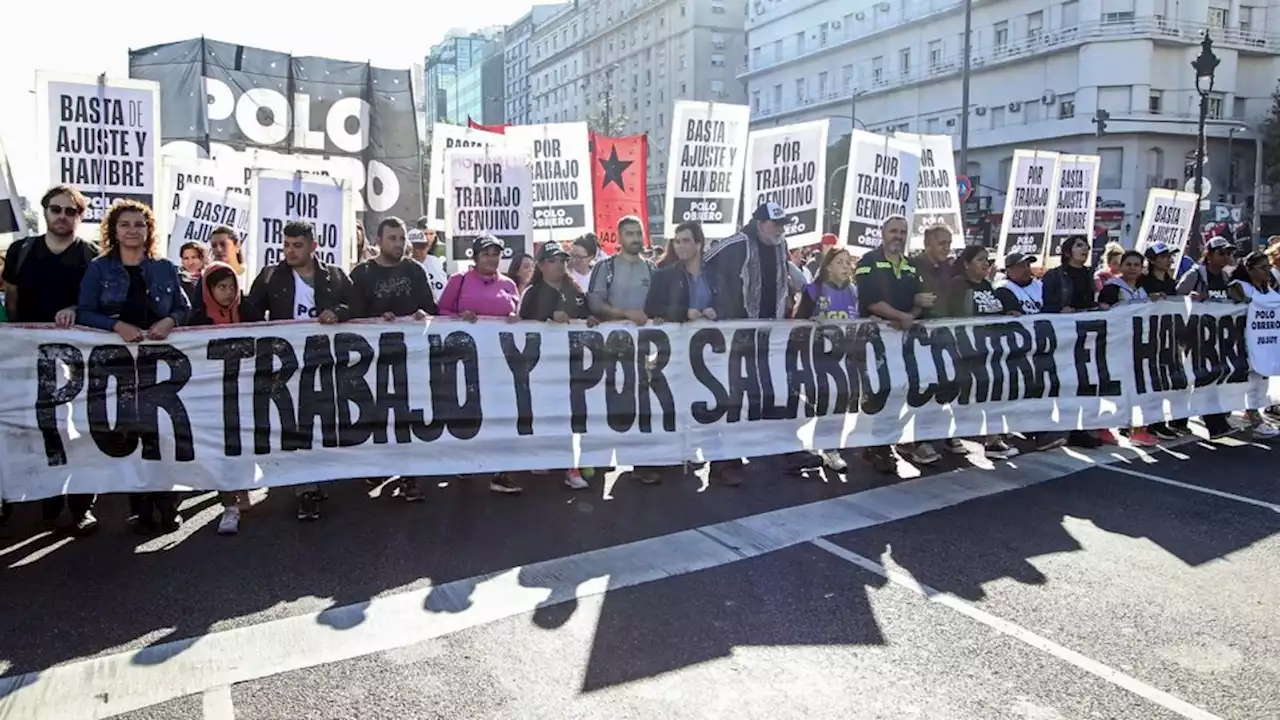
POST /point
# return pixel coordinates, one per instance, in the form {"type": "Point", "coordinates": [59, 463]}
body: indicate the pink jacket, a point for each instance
{"type": "Point", "coordinates": [486, 296]}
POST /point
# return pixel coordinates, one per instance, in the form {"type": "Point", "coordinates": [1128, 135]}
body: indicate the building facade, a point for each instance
{"type": "Point", "coordinates": [455, 80]}
{"type": "Point", "coordinates": [517, 54]}
{"type": "Point", "coordinates": [1039, 71]}
{"type": "Point", "coordinates": [622, 64]}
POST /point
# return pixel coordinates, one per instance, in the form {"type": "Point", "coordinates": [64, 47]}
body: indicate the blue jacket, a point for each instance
{"type": "Point", "coordinates": [106, 285]}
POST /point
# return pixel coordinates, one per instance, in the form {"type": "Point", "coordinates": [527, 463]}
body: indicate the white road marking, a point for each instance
{"type": "Point", "coordinates": [1197, 488]}
{"type": "Point", "coordinates": [217, 703]}
{"type": "Point", "coordinates": [123, 682]}
{"type": "Point", "coordinates": [1017, 632]}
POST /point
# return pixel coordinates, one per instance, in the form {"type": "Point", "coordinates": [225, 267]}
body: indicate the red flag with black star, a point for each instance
{"type": "Point", "coordinates": [618, 180]}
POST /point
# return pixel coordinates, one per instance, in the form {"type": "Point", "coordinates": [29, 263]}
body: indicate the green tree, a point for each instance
{"type": "Point", "coordinates": [837, 157]}
{"type": "Point", "coordinates": [1271, 142]}
{"type": "Point", "coordinates": [611, 122]}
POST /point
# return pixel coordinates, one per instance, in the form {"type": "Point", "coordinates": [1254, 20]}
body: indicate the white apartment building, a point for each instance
{"type": "Point", "coordinates": [517, 59]}
{"type": "Point", "coordinates": [1039, 71]}
{"type": "Point", "coordinates": [637, 57]}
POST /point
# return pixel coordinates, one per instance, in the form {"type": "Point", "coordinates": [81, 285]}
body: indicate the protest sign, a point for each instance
{"type": "Point", "coordinates": [1167, 218]}
{"type": "Point", "coordinates": [277, 198]}
{"type": "Point", "coordinates": [881, 183]}
{"type": "Point", "coordinates": [101, 136]}
{"type": "Point", "coordinates": [560, 178]}
{"type": "Point", "coordinates": [619, 185]}
{"type": "Point", "coordinates": [705, 166]}
{"type": "Point", "coordinates": [446, 137]}
{"type": "Point", "coordinates": [180, 174]}
{"type": "Point", "coordinates": [234, 407]}
{"type": "Point", "coordinates": [1029, 203]}
{"type": "Point", "coordinates": [937, 197]}
{"type": "Point", "coordinates": [487, 193]}
{"type": "Point", "coordinates": [11, 217]}
{"type": "Point", "coordinates": [788, 165]}
{"type": "Point", "coordinates": [204, 210]}
{"type": "Point", "coordinates": [1077, 200]}
{"type": "Point", "coordinates": [1262, 331]}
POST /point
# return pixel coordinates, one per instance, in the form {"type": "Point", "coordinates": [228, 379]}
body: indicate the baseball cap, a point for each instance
{"type": "Point", "coordinates": [552, 251]}
{"type": "Point", "coordinates": [1017, 258]}
{"type": "Point", "coordinates": [1157, 249]}
{"type": "Point", "coordinates": [769, 211]}
{"type": "Point", "coordinates": [484, 242]}
{"type": "Point", "coordinates": [417, 237]}
{"type": "Point", "coordinates": [830, 239]}
{"type": "Point", "coordinates": [1217, 242]}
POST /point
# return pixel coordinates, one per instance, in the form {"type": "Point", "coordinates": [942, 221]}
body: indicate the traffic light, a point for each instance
{"type": "Point", "coordinates": [1100, 118]}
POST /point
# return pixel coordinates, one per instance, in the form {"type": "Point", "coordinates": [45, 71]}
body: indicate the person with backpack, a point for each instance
{"type": "Point", "coordinates": [42, 276]}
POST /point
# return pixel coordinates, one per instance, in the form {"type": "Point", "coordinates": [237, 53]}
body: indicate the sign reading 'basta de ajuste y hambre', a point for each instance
{"type": "Point", "coordinates": [251, 405]}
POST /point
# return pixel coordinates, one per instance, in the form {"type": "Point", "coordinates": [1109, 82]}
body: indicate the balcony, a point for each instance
{"type": "Point", "coordinates": [1152, 27]}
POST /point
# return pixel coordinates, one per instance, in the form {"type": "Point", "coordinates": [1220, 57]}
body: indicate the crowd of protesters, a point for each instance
{"type": "Point", "coordinates": [125, 285]}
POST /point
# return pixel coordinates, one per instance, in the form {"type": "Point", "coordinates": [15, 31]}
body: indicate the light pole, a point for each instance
{"type": "Point", "coordinates": [1205, 64]}
{"type": "Point", "coordinates": [834, 203]}
{"type": "Point", "coordinates": [964, 91]}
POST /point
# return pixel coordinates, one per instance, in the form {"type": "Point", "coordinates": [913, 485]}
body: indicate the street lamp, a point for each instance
{"type": "Point", "coordinates": [1205, 64]}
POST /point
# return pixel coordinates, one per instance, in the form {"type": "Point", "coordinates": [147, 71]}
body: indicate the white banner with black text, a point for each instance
{"type": "Point", "coordinates": [279, 404]}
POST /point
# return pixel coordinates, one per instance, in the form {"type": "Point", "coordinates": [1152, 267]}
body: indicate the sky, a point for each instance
{"type": "Point", "coordinates": [90, 37]}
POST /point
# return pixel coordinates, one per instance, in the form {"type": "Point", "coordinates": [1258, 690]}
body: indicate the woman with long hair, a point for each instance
{"type": "Point", "coordinates": [554, 296]}
{"type": "Point", "coordinates": [1254, 277]}
{"type": "Point", "coordinates": [520, 270]}
{"type": "Point", "coordinates": [1126, 288]}
{"type": "Point", "coordinates": [132, 291]}
{"type": "Point", "coordinates": [832, 296]}
{"type": "Point", "coordinates": [970, 294]}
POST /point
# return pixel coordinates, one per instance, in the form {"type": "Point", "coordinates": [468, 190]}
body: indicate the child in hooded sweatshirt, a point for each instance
{"type": "Point", "coordinates": [222, 296]}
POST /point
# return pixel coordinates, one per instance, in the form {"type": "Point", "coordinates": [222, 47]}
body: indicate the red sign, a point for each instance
{"type": "Point", "coordinates": [618, 180]}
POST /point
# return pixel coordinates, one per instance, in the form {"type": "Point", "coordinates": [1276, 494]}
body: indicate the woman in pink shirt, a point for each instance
{"type": "Point", "coordinates": [479, 292]}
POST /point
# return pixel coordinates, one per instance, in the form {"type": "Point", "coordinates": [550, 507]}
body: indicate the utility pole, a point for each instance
{"type": "Point", "coordinates": [963, 168]}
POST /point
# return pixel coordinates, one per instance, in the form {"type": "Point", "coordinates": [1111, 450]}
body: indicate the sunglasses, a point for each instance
{"type": "Point", "coordinates": [60, 210]}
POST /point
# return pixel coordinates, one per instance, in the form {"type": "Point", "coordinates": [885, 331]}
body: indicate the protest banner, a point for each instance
{"type": "Point", "coordinates": [937, 197]}
{"type": "Point", "coordinates": [1077, 200]}
{"type": "Point", "coordinates": [619, 182]}
{"type": "Point", "coordinates": [1262, 332]}
{"type": "Point", "coordinates": [241, 105]}
{"type": "Point", "coordinates": [276, 198]}
{"type": "Point", "coordinates": [1167, 218]}
{"type": "Point", "coordinates": [787, 165]}
{"type": "Point", "coordinates": [446, 137]}
{"type": "Point", "coordinates": [705, 166]}
{"type": "Point", "coordinates": [1029, 203]}
{"type": "Point", "coordinates": [232, 407]}
{"type": "Point", "coordinates": [488, 193]}
{"type": "Point", "coordinates": [203, 210]}
{"type": "Point", "coordinates": [559, 176]}
{"type": "Point", "coordinates": [101, 136]}
{"type": "Point", "coordinates": [881, 183]}
{"type": "Point", "coordinates": [12, 220]}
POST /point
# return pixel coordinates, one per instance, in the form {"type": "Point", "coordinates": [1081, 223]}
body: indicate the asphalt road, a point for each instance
{"type": "Point", "coordinates": [1110, 584]}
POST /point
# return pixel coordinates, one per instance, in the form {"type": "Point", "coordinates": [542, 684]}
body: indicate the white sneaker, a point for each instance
{"type": "Point", "coordinates": [574, 480]}
{"type": "Point", "coordinates": [230, 522]}
{"type": "Point", "coordinates": [1265, 431]}
{"type": "Point", "coordinates": [833, 461]}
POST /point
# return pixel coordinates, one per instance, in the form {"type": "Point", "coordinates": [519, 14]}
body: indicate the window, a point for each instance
{"type": "Point", "coordinates": [1006, 167]}
{"type": "Point", "coordinates": [1217, 17]}
{"type": "Point", "coordinates": [1035, 24]}
{"type": "Point", "coordinates": [717, 60]}
{"type": "Point", "coordinates": [1002, 36]}
{"type": "Point", "coordinates": [1155, 101]}
{"type": "Point", "coordinates": [1246, 19]}
{"type": "Point", "coordinates": [777, 96]}
{"type": "Point", "coordinates": [1066, 106]}
{"type": "Point", "coordinates": [717, 88]}
{"type": "Point", "coordinates": [684, 90]}
{"type": "Point", "coordinates": [648, 78]}
{"type": "Point", "coordinates": [904, 62]}
{"type": "Point", "coordinates": [877, 69]}
{"type": "Point", "coordinates": [1112, 18]}
{"type": "Point", "coordinates": [1111, 168]}
{"type": "Point", "coordinates": [717, 41]}
{"type": "Point", "coordinates": [777, 50]}
{"type": "Point", "coordinates": [1238, 108]}
{"type": "Point", "coordinates": [755, 101]}
{"type": "Point", "coordinates": [846, 78]}
{"type": "Point", "coordinates": [931, 126]}
{"type": "Point", "coordinates": [822, 85]}
{"type": "Point", "coordinates": [997, 116]}
{"type": "Point", "coordinates": [799, 90]}
{"type": "Point", "coordinates": [822, 34]}
{"type": "Point", "coordinates": [1215, 107]}
{"type": "Point", "coordinates": [755, 57]}
{"type": "Point", "coordinates": [800, 43]}
{"type": "Point", "coordinates": [1070, 14]}
{"type": "Point", "coordinates": [935, 54]}
{"type": "Point", "coordinates": [683, 63]}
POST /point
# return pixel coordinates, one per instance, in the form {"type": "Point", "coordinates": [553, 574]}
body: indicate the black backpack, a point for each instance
{"type": "Point", "coordinates": [88, 249]}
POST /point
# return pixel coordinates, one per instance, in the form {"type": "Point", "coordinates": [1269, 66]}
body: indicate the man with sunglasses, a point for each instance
{"type": "Point", "coordinates": [42, 277]}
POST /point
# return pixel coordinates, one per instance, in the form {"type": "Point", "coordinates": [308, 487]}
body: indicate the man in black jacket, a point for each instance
{"type": "Point", "coordinates": [748, 271]}
{"type": "Point", "coordinates": [391, 285]}
{"type": "Point", "coordinates": [299, 288]}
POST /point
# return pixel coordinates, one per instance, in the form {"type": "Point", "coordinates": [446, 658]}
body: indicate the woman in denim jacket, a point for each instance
{"type": "Point", "coordinates": [132, 292]}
